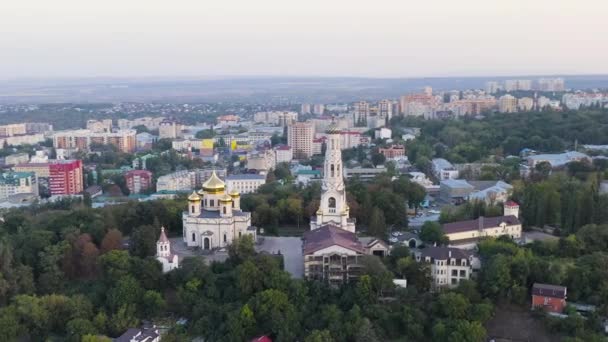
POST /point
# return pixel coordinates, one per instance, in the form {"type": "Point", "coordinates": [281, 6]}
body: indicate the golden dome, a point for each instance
{"type": "Point", "coordinates": [234, 193]}
{"type": "Point", "coordinates": [226, 199]}
{"type": "Point", "coordinates": [214, 184]}
{"type": "Point", "coordinates": [194, 197]}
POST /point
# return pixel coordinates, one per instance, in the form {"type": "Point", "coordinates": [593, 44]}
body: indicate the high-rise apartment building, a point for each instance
{"type": "Point", "coordinates": [305, 108]}
{"type": "Point", "coordinates": [100, 126]}
{"type": "Point", "coordinates": [361, 113]}
{"type": "Point", "coordinates": [507, 104]}
{"type": "Point", "coordinates": [300, 136]}
{"type": "Point", "coordinates": [66, 177]}
{"type": "Point", "coordinates": [318, 109]}
{"type": "Point", "coordinates": [492, 87]}
{"type": "Point", "coordinates": [385, 109]}
{"type": "Point", "coordinates": [170, 129]}
{"type": "Point", "coordinates": [551, 84]}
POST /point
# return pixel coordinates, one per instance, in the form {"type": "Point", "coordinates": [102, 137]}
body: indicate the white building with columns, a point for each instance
{"type": "Point", "coordinates": [169, 260]}
{"type": "Point", "coordinates": [333, 208]}
{"type": "Point", "coordinates": [214, 218]}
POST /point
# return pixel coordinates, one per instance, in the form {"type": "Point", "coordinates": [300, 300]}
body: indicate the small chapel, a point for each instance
{"type": "Point", "coordinates": [169, 260]}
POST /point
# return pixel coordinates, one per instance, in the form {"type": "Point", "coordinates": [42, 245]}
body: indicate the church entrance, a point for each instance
{"type": "Point", "coordinates": [206, 243]}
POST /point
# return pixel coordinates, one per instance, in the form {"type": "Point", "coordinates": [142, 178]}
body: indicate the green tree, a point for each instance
{"type": "Point", "coordinates": [377, 224]}
{"type": "Point", "coordinates": [143, 241]}
{"type": "Point", "coordinates": [432, 233]}
{"type": "Point", "coordinates": [319, 336]}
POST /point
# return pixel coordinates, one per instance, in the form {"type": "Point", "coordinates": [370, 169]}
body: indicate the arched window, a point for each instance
{"type": "Point", "coordinates": [332, 170]}
{"type": "Point", "coordinates": [224, 208]}
{"type": "Point", "coordinates": [233, 204]}
{"type": "Point", "coordinates": [193, 237]}
{"type": "Point", "coordinates": [224, 238]}
{"type": "Point", "coordinates": [192, 209]}
{"type": "Point", "coordinates": [212, 204]}
{"type": "Point", "coordinates": [239, 234]}
{"type": "Point", "coordinates": [332, 202]}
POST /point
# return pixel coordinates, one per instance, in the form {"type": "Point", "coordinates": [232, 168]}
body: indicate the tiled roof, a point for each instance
{"type": "Point", "coordinates": [444, 253]}
{"type": "Point", "coordinates": [548, 290]}
{"type": "Point", "coordinates": [330, 235]}
{"type": "Point", "coordinates": [486, 222]}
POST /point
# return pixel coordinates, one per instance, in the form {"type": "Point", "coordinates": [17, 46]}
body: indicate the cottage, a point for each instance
{"type": "Point", "coordinates": [551, 298]}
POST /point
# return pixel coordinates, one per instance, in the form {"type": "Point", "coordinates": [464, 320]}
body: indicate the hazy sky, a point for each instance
{"type": "Point", "coordinates": [402, 38]}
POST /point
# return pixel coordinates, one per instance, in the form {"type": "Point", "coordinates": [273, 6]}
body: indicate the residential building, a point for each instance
{"type": "Point", "coordinates": [364, 173]}
{"type": "Point", "coordinates": [466, 234]}
{"type": "Point", "coordinates": [261, 160]}
{"type": "Point", "coordinates": [283, 154]}
{"type": "Point", "coordinates": [443, 169]}
{"type": "Point", "coordinates": [300, 137]}
{"type": "Point", "coordinates": [18, 158]}
{"type": "Point", "coordinates": [393, 151]}
{"type": "Point", "coordinates": [514, 85]}
{"type": "Point", "coordinates": [305, 108]}
{"type": "Point", "coordinates": [490, 192]}
{"type": "Point", "coordinates": [383, 133]}
{"type": "Point", "coordinates": [185, 145]}
{"type": "Point", "coordinates": [39, 157]}
{"type": "Point", "coordinates": [138, 180]}
{"type": "Point", "coordinates": [38, 127]}
{"type": "Point", "coordinates": [100, 126]}
{"type": "Point", "coordinates": [145, 334]}
{"type": "Point", "coordinates": [214, 218]}
{"type": "Point", "coordinates": [333, 208]}
{"type": "Point", "coordinates": [492, 87]}
{"type": "Point", "coordinates": [507, 104]}
{"type": "Point", "coordinates": [13, 130]}
{"type": "Point", "coordinates": [168, 260]}
{"type": "Point", "coordinates": [66, 177]}
{"type": "Point", "coordinates": [551, 84]}
{"type": "Point", "coordinates": [525, 104]}
{"type": "Point", "coordinates": [449, 266]}
{"type": "Point", "coordinates": [244, 183]}
{"type": "Point", "coordinates": [361, 113]}
{"type": "Point", "coordinates": [177, 181]}
{"type": "Point", "coordinates": [151, 123]}
{"type": "Point", "coordinates": [276, 118]}
{"type": "Point", "coordinates": [228, 120]}
{"type": "Point", "coordinates": [82, 139]}
{"type": "Point", "coordinates": [41, 170]}
{"type": "Point", "coordinates": [25, 139]}
{"type": "Point", "coordinates": [455, 191]}
{"type": "Point", "coordinates": [421, 179]}
{"type": "Point", "coordinates": [14, 183]}
{"type": "Point", "coordinates": [551, 298]}
{"type": "Point", "coordinates": [145, 140]}
{"type": "Point", "coordinates": [385, 109]}
{"type": "Point", "coordinates": [170, 129]}
{"type": "Point", "coordinates": [318, 109]}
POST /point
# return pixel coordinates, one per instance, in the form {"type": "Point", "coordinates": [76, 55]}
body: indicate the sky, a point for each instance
{"type": "Point", "coordinates": [373, 38]}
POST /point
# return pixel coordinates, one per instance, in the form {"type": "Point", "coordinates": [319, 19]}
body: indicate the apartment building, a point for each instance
{"type": "Point", "coordinates": [13, 183]}
{"type": "Point", "coordinates": [392, 151]}
{"type": "Point", "coordinates": [300, 137]}
{"type": "Point", "coordinates": [100, 126]}
{"type": "Point", "coordinates": [170, 129]}
{"type": "Point", "coordinates": [138, 180]}
{"type": "Point", "coordinates": [66, 177]}
{"type": "Point", "coordinates": [124, 140]}
{"type": "Point", "coordinates": [177, 181]}
{"type": "Point", "coordinates": [283, 154]}
{"type": "Point", "coordinates": [507, 104]}
{"type": "Point", "coordinates": [276, 118]}
{"type": "Point", "coordinates": [150, 123]}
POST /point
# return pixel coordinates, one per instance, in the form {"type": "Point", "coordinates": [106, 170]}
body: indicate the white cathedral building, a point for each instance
{"type": "Point", "coordinates": [214, 218]}
{"type": "Point", "coordinates": [169, 260]}
{"type": "Point", "coordinates": [333, 208]}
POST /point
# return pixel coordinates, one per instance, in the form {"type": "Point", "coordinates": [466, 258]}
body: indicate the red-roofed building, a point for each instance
{"type": "Point", "coordinates": [138, 180]}
{"type": "Point", "coordinates": [392, 151]}
{"type": "Point", "coordinates": [551, 298]}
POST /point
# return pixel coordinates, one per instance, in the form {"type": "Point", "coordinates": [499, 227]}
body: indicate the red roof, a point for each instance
{"type": "Point", "coordinates": [486, 222]}
{"type": "Point", "coordinates": [511, 204]}
{"type": "Point", "coordinates": [547, 290]}
{"type": "Point", "coordinates": [163, 236]}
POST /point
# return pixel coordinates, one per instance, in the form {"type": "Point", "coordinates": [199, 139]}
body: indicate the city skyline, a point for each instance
{"type": "Point", "coordinates": [273, 38]}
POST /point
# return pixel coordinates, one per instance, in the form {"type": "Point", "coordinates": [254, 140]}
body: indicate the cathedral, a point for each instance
{"type": "Point", "coordinates": [333, 208]}
{"type": "Point", "coordinates": [214, 218]}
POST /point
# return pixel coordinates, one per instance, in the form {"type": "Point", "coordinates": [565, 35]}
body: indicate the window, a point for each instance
{"type": "Point", "coordinates": [192, 209]}
{"type": "Point", "coordinates": [224, 209]}
{"type": "Point", "coordinates": [193, 237]}
{"type": "Point", "coordinates": [454, 273]}
{"type": "Point", "coordinates": [331, 202]}
{"type": "Point", "coordinates": [239, 234]}
{"type": "Point", "coordinates": [332, 170]}
{"type": "Point", "coordinates": [454, 281]}
{"type": "Point", "coordinates": [463, 273]}
{"type": "Point", "coordinates": [212, 203]}
{"type": "Point", "coordinates": [225, 238]}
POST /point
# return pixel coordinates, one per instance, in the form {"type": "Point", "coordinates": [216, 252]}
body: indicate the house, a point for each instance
{"type": "Point", "coordinates": [455, 191]}
{"type": "Point", "coordinates": [374, 246]}
{"type": "Point", "coordinates": [383, 133]}
{"type": "Point", "coordinates": [551, 298]}
{"type": "Point", "coordinates": [449, 266]}
{"type": "Point", "coordinates": [466, 234]}
{"type": "Point", "coordinates": [409, 239]}
{"type": "Point", "coordinates": [443, 169]}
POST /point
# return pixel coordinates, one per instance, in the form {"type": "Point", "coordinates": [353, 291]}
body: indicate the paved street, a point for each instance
{"type": "Point", "coordinates": [290, 247]}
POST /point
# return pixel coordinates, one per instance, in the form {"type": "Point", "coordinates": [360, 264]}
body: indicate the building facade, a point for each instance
{"type": "Point", "coordinates": [300, 136]}
{"type": "Point", "coordinates": [177, 181]}
{"type": "Point", "coordinates": [13, 183]}
{"type": "Point", "coordinates": [138, 180]}
{"type": "Point", "coordinates": [124, 140]}
{"type": "Point", "coordinates": [214, 218]}
{"type": "Point", "coordinates": [168, 260]}
{"type": "Point", "coordinates": [551, 298]}
{"type": "Point", "coordinates": [448, 266]}
{"type": "Point", "coordinates": [244, 183]}
{"type": "Point", "coordinates": [66, 177]}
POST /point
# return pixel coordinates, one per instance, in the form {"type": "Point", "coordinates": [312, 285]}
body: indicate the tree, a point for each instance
{"type": "Point", "coordinates": [432, 233]}
{"type": "Point", "coordinates": [378, 159]}
{"type": "Point", "coordinates": [79, 327]}
{"type": "Point", "coordinates": [111, 241]}
{"type": "Point", "coordinates": [126, 291]}
{"type": "Point", "coordinates": [319, 336]}
{"type": "Point", "coordinates": [496, 277]}
{"type": "Point", "coordinates": [143, 241]}
{"type": "Point", "coordinates": [275, 314]}
{"type": "Point", "coordinates": [377, 224]}
{"type": "Point", "coordinates": [123, 319]}
{"type": "Point", "coordinates": [452, 305]}
{"type": "Point", "coordinates": [153, 304]}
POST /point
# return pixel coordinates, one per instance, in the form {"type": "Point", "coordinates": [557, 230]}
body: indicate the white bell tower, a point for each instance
{"type": "Point", "coordinates": [333, 208]}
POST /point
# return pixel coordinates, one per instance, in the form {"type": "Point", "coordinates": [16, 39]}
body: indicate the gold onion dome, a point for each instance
{"type": "Point", "coordinates": [214, 184]}
{"type": "Point", "coordinates": [194, 197]}
{"type": "Point", "coordinates": [333, 127]}
{"type": "Point", "coordinates": [234, 193]}
{"type": "Point", "coordinates": [226, 198]}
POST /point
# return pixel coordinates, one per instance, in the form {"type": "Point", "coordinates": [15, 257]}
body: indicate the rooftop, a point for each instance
{"type": "Point", "coordinates": [486, 222]}
{"type": "Point", "coordinates": [548, 290]}
{"type": "Point", "coordinates": [444, 253]}
{"type": "Point", "coordinates": [330, 235]}
{"type": "Point", "coordinates": [246, 176]}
